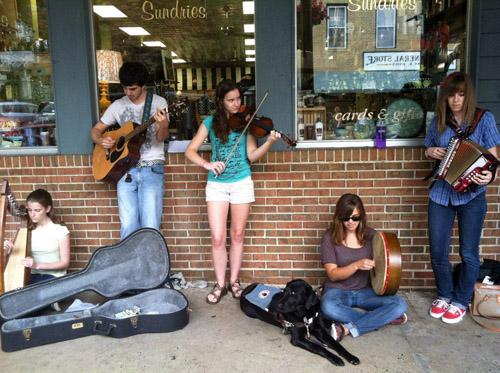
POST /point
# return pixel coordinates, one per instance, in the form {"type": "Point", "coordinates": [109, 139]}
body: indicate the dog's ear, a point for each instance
{"type": "Point", "coordinates": [312, 299]}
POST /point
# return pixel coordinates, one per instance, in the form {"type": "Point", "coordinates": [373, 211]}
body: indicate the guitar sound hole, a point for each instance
{"type": "Point", "coordinates": [120, 143]}
{"type": "Point", "coordinates": [115, 156]}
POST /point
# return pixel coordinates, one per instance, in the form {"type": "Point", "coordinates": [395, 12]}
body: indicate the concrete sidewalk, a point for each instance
{"type": "Point", "coordinates": [222, 339]}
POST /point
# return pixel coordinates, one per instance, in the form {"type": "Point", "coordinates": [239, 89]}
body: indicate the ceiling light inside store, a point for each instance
{"type": "Point", "coordinates": [248, 7]}
{"type": "Point", "coordinates": [250, 59]}
{"type": "Point", "coordinates": [250, 52]}
{"type": "Point", "coordinates": [155, 43]}
{"type": "Point", "coordinates": [108, 11]}
{"type": "Point", "coordinates": [248, 27]}
{"type": "Point", "coordinates": [134, 31]}
{"type": "Point", "coordinates": [178, 60]}
{"type": "Point", "coordinates": [249, 41]}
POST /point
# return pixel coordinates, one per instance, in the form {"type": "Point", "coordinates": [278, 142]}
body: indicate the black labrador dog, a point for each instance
{"type": "Point", "coordinates": [296, 309]}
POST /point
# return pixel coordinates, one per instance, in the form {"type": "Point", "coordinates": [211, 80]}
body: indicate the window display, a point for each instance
{"type": "Point", "coordinates": [188, 47]}
{"type": "Point", "coordinates": [27, 111]}
{"type": "Point", "coordinates": [369, 70]}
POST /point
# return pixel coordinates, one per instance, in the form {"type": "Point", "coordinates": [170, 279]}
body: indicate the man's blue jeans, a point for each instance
{"type": "Point", "coordinates": [140, 201]}
{"type": "Point", "coordinates": [372, 311]}
{"type": "Point", "coordinates": [470, 224]}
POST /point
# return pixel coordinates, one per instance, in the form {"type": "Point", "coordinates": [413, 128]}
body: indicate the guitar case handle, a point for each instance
{"type": "Point", "coordinates": [103, 328]}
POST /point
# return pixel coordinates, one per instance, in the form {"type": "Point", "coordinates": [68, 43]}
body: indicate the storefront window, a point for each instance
{"type": "Point", "coordinates": [27, 111]}
{"type": "Point", "coordinates": [188, 47]}
{"type": "Point", "coordinates": [372, 68]}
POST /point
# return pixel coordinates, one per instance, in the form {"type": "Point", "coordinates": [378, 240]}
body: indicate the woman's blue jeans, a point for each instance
{"type": "Point", "coordinates": [40, 277]}
{"type": "Point", "coordinates": [140, 200]}
{"type": "Point", "coordinates": [470, 224]}
{"type": "Point", "coordinates": [371, 311]}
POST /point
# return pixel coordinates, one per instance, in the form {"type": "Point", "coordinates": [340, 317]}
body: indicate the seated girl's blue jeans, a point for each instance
{"type": "Point", "coordinates": [371, 311]}
{"type": "Point", "coordinates": [140, 199]}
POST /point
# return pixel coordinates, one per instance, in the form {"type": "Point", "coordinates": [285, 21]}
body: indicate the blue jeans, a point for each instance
{"type": "Point", "coordinates": [376, 310]}
{"type": "Point", "coordinates": [140, 201]}
{"type": "Point", "coordinates": [40, 277]}
{"type": "Point", "coordinates": [470, 224]}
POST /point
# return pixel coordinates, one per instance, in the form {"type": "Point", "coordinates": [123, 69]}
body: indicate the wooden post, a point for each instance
{"type": "Point", "coordinates": [3, 210]}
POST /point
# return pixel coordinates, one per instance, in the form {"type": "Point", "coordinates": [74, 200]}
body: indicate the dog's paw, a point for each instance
{"type": "Point", "coordinates": [354, 360]}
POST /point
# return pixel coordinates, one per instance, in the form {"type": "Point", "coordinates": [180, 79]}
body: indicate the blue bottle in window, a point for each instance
{"type": "Point", "coordinates": [380, 135]}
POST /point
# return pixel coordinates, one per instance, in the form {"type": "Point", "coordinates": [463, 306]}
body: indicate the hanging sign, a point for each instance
{"type": "Point", "coordinates": [388, 61]}
{"type": "Point", "coordinates": [179, 10]}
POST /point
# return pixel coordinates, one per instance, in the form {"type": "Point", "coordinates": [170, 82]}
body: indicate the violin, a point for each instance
{"type": "Point", "coordinates": [259, 127]}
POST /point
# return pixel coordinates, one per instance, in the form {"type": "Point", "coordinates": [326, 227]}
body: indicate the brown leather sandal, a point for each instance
{"type": "Point", "coordinates": [216, 294]}
{"type": "Point", "coordinates": [235, 289]}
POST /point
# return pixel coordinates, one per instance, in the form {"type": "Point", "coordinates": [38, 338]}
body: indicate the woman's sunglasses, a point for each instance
{"type": "Point", "coordinates": [353, 218]}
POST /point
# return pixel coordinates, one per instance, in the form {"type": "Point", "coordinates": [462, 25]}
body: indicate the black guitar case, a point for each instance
{"type": "Point", "coordinates": [140, 262]}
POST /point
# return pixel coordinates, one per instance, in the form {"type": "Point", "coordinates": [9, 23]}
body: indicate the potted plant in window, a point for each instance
{"type": "Point", "coordinates": [318, 10]}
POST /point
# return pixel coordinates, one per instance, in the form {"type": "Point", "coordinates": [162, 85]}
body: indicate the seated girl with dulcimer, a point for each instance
{"type": "Point", "coordinates": [229, 186]}
{"type": "Point", "coordinates": [50, 244]}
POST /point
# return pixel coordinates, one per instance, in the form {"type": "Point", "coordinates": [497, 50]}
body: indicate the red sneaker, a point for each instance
{"type": "Point", "coordinates": [453, 315]}
{"type": "Point", "coordinates": [400, 320]}
{"type": "Point", "coordinates": [439, 308]}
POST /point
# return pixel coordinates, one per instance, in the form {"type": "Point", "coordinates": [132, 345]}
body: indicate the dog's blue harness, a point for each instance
{"type": "Point", "coordinates": [262, 295]}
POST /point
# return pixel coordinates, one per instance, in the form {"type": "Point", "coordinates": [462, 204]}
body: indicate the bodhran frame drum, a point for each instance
{"type": "Point", "coordinates": [386, 274]}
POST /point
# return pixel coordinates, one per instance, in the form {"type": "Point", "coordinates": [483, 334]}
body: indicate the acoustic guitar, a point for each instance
{"type": "Point", "coordinates": [111, 164]}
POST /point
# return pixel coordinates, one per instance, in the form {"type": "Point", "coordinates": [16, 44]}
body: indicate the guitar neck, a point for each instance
{"type": "Point", "coordinates": [139, 129]}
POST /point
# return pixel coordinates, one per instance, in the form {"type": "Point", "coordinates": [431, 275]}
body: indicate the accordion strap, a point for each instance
{"type": "Point", "coordinates": [453, 124]}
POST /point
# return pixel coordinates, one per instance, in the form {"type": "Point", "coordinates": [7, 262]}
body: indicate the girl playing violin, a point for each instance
{"type": "Point", "coordinates": [50, 249]}
{"type": "Point", "coordinates": [229, 186]}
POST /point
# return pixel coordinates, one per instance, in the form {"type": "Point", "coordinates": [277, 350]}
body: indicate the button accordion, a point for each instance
{"type": "Point", "coordinates": [464, 159]}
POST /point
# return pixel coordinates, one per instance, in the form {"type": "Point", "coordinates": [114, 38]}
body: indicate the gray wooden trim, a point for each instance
{"type": "Point", "coordinates": [275, 51]}
{"type": "Point", "coordinates": [73, 66]}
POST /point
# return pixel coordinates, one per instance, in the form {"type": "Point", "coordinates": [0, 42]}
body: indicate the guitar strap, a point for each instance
{"type": "Point", "coordinates": [147, 107]}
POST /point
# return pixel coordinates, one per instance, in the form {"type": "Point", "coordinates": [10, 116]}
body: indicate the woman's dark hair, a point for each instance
{"type": "Point", "coordinates": [220, 122]}
{"type": "Point", "coordinates": [132, 73]}
{"type": "Point", "coordinates": [44, 198]}
{"type": "Point", "coordinates": [456, 82]}
{"type": "Point", "coordinates": [343, 209]}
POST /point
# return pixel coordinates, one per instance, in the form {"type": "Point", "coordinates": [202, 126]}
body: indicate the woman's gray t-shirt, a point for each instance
{"type": "Point", "coordinates": [343, 256]}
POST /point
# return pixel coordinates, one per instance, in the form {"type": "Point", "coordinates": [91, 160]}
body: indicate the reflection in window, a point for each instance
{"type": "Point", "coordinates": [337, 27]}
{"type": "Point", "coordinates": [188, 48]}
{"type": "Point", "coordinates": [27, 112]}
{"type": "Point", "coordinates": [347, 88]}
{"type": "Point", "coordinates": [386, 28]}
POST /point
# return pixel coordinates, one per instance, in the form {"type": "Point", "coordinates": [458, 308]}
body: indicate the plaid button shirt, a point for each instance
{"type": "Point", "coordinates": [486, 134]}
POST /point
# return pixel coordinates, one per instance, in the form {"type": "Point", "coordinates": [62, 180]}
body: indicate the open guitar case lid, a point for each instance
{"type": "Point", "coordinates": [140, 262]}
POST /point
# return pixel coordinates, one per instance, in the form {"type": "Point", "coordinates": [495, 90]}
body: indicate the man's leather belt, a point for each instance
{"type": "Point", "coordinates": [142, 164]}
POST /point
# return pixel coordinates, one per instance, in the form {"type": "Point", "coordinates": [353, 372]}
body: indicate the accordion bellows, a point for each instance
{"type": "Point", "coordinates": [464, 159]}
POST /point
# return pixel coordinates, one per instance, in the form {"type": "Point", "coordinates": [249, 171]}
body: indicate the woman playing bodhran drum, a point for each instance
{"type": "Point", "coordinates": [347, 255]}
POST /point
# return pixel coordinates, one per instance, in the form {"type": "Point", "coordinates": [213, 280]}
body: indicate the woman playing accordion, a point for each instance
{"type": "Point", "coordinates": [456, 110]}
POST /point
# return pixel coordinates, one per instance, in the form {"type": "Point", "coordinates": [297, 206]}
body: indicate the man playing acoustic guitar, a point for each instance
{"type": "Point", "coordinates": [140, 189]}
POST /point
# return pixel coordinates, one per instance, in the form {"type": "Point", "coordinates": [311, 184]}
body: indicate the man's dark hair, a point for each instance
{"type": "Point", "coordinates": [132, 73]}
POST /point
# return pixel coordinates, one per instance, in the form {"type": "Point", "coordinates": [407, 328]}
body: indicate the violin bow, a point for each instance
{"type": "Point", "coordinates": [244, 130]}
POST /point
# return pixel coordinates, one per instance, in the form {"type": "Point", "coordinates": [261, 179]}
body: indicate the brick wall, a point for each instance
{"type": "Point", "coordinates": [296, 192]}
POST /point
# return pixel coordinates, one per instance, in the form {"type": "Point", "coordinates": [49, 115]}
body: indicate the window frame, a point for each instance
{"type": "Point", "coordinates": [328, 7]}
{"type": "Point", "coordinates": [377, 27]}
